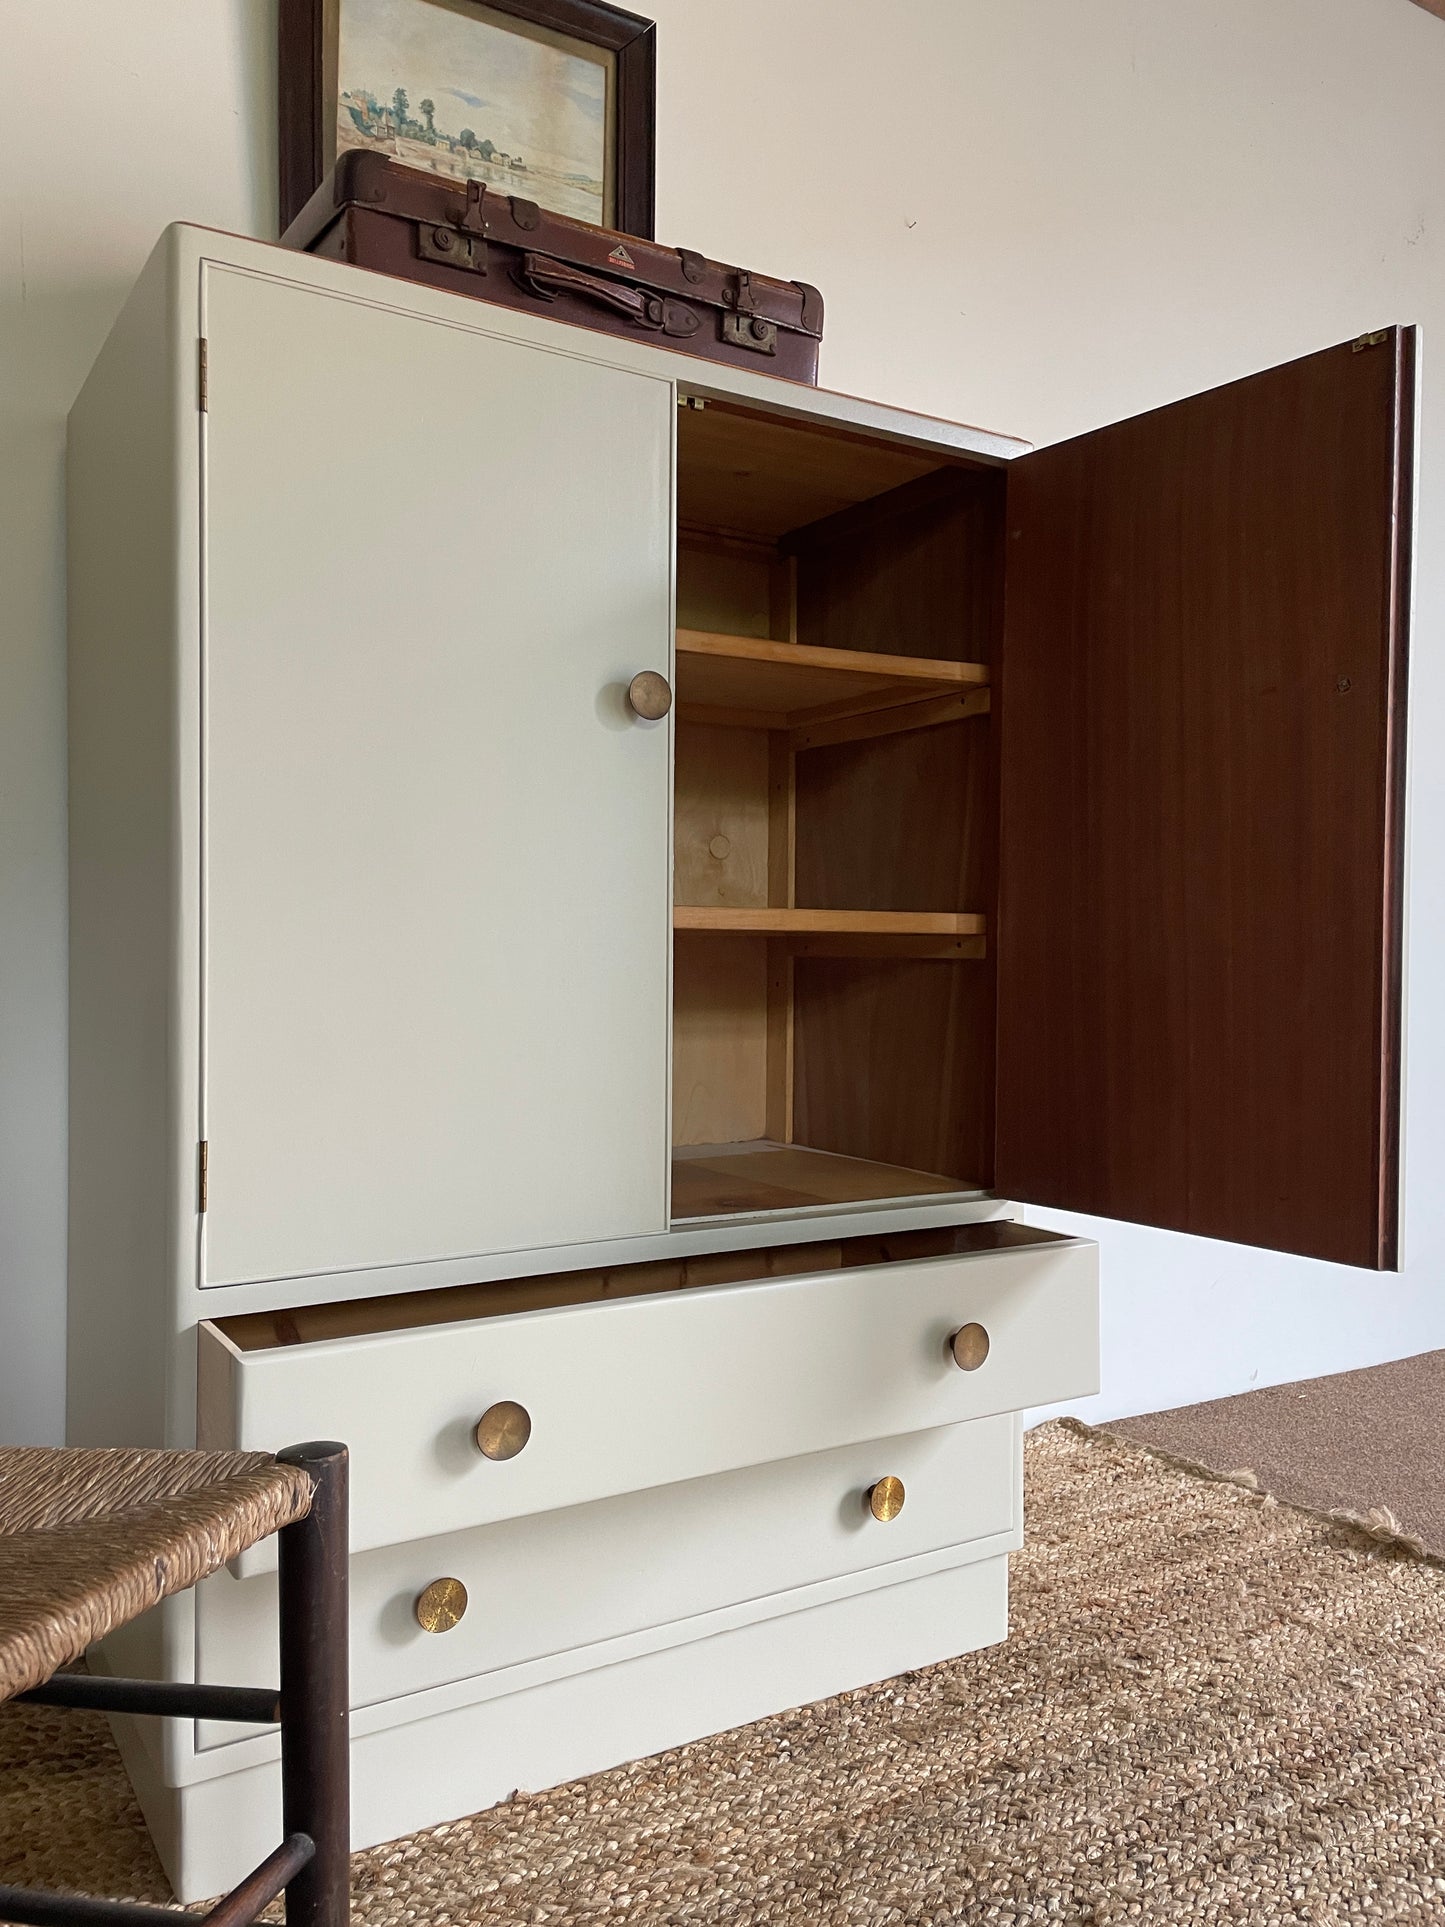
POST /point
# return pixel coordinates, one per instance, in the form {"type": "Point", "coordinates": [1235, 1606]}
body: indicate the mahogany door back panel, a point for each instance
{"type": "Point", "coordinates": [1202, 743]}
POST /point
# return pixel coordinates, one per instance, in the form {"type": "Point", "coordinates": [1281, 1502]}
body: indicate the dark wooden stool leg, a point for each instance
{"type": "Point", "coordinates": [316, 1691]}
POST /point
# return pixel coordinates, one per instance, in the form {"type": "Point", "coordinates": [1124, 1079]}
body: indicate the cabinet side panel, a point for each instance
{"type": "Point", "coordinates": [1202, 730]}
{"type": "Point", "coordinates": [895, 1056]}
{"type": "Point", "coordinates": [895, 1062]}
{"type": "Point", "coordinates": [902, 822]}
{"type": "Point", "coordinates": [123, 624]}
{"type": "Point", "coordinates": [914, 572]}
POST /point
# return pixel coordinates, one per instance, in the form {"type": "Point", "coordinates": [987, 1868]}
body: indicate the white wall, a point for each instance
{"type": "Point", "coordinates": [174, 100]}
{"type": "Point", "coordinates": [1037, 216]}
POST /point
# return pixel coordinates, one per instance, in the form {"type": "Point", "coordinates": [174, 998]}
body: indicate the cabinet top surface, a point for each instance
{"type": "Point", "coordinates": [190, 249]}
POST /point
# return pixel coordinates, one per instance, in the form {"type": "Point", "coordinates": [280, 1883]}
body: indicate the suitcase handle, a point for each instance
{"type": "Point", "coordinates": [543, 276]}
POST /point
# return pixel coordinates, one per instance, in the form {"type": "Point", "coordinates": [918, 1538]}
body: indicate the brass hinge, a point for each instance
{"type": "Point", "coordinates": [205, 1171]}
{"type": "Point", "coordinates": [203, 362]}
{"type": "Point", "coordinates": [1370, 341]}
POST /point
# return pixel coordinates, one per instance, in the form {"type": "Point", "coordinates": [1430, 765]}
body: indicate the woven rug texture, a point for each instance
{"type": "Point", "coordinates": [1212, 1709]}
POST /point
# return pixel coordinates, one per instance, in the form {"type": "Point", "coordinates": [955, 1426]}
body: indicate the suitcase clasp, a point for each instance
{"type": "Point", "coordinates": [750, 331]}
{"type": "Point", "coordinates": [745, 327]}
{"type": "Point", "coordinates": [454, 249]}
{"type": "Point", "coordinates": [474, 220]}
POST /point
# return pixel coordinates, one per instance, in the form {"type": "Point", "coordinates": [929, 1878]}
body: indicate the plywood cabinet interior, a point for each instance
{"type": "Point", "coordinates": [839, 606]}
{"type": "Point", "coordinates": [1113, 856]}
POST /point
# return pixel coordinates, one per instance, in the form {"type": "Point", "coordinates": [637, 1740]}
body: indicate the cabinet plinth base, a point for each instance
{"type": "Point", "coordinates": [428, 1771]}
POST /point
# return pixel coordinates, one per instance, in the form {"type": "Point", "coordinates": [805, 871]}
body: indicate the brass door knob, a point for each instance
{"type": "Point", "coordinates": [503, 1430]}
{"type": "Point", "coordinates": [441, 1606]}
{"type": "Point", "coordinates": [885, 1500]}
{"type": "Point", "coordinates": [650, 695]}
{"type": "Point", "coordinates": [968, 1347]}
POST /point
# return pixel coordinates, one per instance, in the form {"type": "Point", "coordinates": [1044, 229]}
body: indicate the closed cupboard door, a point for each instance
{"type": "Point", "coordinates": [1202, 751]}
{"type": "Point", "coordinates": [435, 888]}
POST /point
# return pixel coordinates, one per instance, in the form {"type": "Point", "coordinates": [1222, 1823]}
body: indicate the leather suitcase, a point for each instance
{"type": "Point", "coordinates": [471, 239]}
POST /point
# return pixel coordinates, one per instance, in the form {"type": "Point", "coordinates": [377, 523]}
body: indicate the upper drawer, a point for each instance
{"type": "Point", "coordinates": [643, 1391]}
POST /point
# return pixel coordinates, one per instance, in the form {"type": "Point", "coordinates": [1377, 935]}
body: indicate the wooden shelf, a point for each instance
{"type": "Point", "coordinates": [753, 682]}
{"type": "Point", "coordinates": [818, 923]}
{"type": "Point", "coordinates": [724, 1180]}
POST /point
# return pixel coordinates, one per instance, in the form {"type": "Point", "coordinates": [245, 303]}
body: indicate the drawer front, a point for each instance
{"type": "Point", "coordinates": [546, 1585]}
{"type": "Point", "coordinates": [641, 1392]}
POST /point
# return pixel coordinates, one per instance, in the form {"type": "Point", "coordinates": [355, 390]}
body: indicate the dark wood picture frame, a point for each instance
{"type": "Point", "coordinates": [302, 67]}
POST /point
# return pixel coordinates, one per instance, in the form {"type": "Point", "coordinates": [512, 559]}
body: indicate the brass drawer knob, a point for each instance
{"type": "Point", "coordinates": [650, 695]}
{"type": "Point", "coordinates": [441, 1606]}
{"type": "Point", "coordinates": [969, 1347]}
{"type": "Point", "coordinates": [503, 1430]}
{"type": "Point", "coordinates": [885, 1500]}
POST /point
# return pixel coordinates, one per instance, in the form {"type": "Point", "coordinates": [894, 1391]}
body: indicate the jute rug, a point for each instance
{"type": "Point", "coordinates": [1369, 1443]}
{"type": "Point", "coordinates": [1212, 1709]}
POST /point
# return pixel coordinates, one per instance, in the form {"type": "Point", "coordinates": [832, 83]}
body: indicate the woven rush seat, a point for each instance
{"type": "Point", "coordinates": [89, 1540]}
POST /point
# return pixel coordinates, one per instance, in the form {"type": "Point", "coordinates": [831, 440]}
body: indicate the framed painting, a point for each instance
{"type": "Point", "coordinates": [549, 99]}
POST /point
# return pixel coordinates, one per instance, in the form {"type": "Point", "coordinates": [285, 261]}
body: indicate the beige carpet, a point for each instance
{"type": "Point", "coordinates": [1368, 1442]}
{"type": "Point", "coordinates": [1213, 1709]}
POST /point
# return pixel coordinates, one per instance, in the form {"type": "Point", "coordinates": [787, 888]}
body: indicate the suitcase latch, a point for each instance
{"type": "Point", "coordinates": [455, 249]}
{"type": "Point", "coordinates": [474, 220]}
{"type": "Point", "coordinates": [745, 327]}
{"type": "Point", "coordinates": [751, 331]}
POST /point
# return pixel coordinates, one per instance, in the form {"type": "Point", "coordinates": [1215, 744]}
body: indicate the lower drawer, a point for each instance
{"type": "Point", "coordinates": [552, 1587]}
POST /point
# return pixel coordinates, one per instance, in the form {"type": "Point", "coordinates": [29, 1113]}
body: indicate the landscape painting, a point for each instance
{"type": "Point", "coordinates": [453, 87]}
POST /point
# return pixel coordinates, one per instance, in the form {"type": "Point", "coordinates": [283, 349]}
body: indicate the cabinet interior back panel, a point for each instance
{"type": "Point", "coordinates": [436, 851]}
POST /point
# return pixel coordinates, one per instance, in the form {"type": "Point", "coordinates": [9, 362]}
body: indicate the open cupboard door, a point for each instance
{"type": "Point", "coordinates": [1201, 721]}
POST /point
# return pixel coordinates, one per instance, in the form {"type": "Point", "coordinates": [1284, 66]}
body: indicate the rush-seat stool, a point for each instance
{"type": "Point", "coordinates": [91, 1539]}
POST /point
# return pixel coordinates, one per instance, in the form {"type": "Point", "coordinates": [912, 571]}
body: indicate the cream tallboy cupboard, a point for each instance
{"type": "Point", "coordinates": [601, 1120]}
